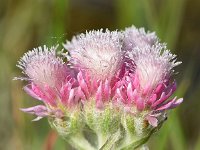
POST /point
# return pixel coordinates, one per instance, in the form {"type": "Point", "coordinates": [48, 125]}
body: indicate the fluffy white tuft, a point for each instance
{"type": "Point", "coordinates": [134, 37]}
{"type": "Point", "coordinates": [43, 67]}
{"type": "Point", "coordinates": [153, 64]}
{"type": "Point", "coordinates": [96, 51]}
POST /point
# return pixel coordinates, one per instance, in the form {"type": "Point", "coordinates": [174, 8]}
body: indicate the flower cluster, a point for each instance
{"type": "Point", "coordinates": [124, 76]}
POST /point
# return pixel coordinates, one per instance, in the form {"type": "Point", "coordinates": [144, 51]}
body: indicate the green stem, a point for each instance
{"type": "Point", "coordinates": [111, 141]}
{"type": "Point", "coordinates": [138, 143]}
{"type": "Point", "coordinates": [143, 147]}
{"type": "Point", "coordinates": [101, 139]}
{"type": "Point", "coordinates": [79, 142]}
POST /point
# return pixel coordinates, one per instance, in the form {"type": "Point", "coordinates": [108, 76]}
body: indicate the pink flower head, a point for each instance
{"type": "Point", "coordinates": [43, 67]}
{"type": "Point", "coordinates": [153, 63]}
{"type": "Point", "coordinates": [150, 85]}
{"type": "Point", "coordinates": [97, 52]}
{"type": "Point", "coordinates": [50, 81]}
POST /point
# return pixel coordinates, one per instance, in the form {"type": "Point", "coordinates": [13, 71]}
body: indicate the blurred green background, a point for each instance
{"type": "Point", "coordinates": [25, 24]}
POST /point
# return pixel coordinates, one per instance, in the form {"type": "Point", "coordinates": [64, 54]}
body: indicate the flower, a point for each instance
{"type": "Point", "coordinates": [151, 84]}
{"type": "Point", "coordinates": [97, 52]}
{"type": "Point", "coordinates": [43, 67]}
{"type": "Point", "coordinates": [134, 37]}
{"type": "Point", "coordinates": [118, 84]}
{"type": "Point", "coordinates": [50, 81]}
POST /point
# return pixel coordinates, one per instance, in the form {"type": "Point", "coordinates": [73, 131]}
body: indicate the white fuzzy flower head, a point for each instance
{"type": "Point", "coordinates": [153, 64]}
{"type": "Point", "coordinates": [97, 52]}
{"type": "Point", "coordinates": [43, 67]}
{"type": "Point", "coordinates": [134, 37]}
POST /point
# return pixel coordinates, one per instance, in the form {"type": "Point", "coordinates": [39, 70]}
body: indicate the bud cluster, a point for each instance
{"type": "Point", "coordinates": [112, 92]}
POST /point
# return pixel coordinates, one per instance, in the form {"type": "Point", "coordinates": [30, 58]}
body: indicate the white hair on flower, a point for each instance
{"type": "Point", "coordinates": [43, 67]}
{"type": "Point", "coordinates": [134, 37]}
{"type": "Point", "coordinates": [96, 51]}
{"type": "Point", "coordinates": [153, 64]}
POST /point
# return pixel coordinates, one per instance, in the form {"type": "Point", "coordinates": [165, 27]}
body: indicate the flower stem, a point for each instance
{"type": "Point", "coordinates": [79, 142]}
{"type": "Point", "coordinates": [111, 141]}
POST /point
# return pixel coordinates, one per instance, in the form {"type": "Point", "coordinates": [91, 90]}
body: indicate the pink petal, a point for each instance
{"type": "Point", "coordinates": [39, 93]}
{"type": "Point", "coordinates": [83, 84]}
{"type": "Point", "coordinates": [57, 113]}
{"type": "Point", "coordinates": [135, 95]}
{"type": "Point", "coordinates": [159, 88]}
{"type": "Point", "coordinates": [99, 98]}
{"type": "Point", "coordinates": [146, 89]}
{"type": "Point", "coordinates": [130, 93]}
{"type": "Point", "coordinates": [87, 80]}
{"type": "Point", "coordinates": [152, 120]}
{"type": "Point", "coordinates": [176, 103]}
{"type": "Point", "coordinates": [31, 93]}
{"type": "Point", "coordinates": [136, 81]}
{"type": "Point", "coordinates": [174, 86]}
{"type": "Point", "coordinates": [152, 99]}
{"type": "Point", "coordinates": [39, 110]}
{"type": "Point", "coordinates": [94, 85]}
{"type": "Point", "coordinates": [163, 97]}
{"type": "Point", "coordinates": [80, 93]}
{"type": "Point", "coordinates": [140, 104]}
{"type": "Point", "coordinates": [99, 93]}
{"type": "Point", "coordinates": [64, 92]}
{"type": "Point", "coordinates": [107, 90]}
{"type": "Point", "coordinates": [50, 95]}
{"type": "Point", "coordinates": [121, 95]}
{"type": "Point", "coordinates": [167, 105]}
{"type": "Point", "coordinates": [71, 96]}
